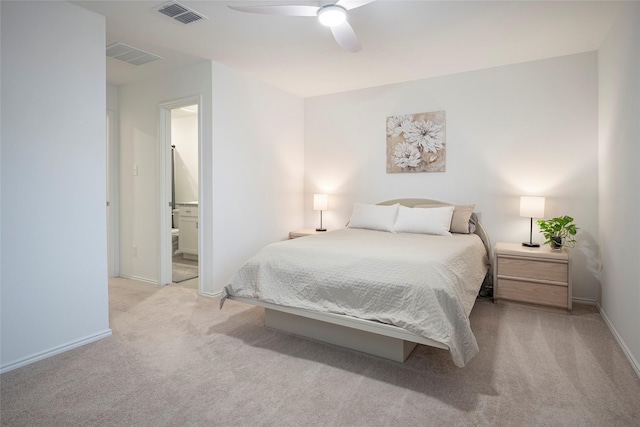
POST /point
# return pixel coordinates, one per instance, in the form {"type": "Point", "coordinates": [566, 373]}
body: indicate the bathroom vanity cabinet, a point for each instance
{"type": "Point", "coordinates": [188, 240]}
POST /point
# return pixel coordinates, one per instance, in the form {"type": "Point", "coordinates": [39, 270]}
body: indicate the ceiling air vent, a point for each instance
{"type": "Point", "coordinates": [129, 54]}
{"type": "Point", "coordinates": [181, 13]}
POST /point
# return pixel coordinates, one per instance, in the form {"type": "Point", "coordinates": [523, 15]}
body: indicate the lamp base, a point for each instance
{"type": "Point", "coordinates": [531, 244]}
{"type": "Point", "coordinates": [321, 229]}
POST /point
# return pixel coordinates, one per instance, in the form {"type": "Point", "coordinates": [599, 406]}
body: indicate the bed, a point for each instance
{"type": "Point", "coordinates": [377, 291]}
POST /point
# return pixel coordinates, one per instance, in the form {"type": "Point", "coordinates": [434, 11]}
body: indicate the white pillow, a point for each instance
{"type": "Point", "coordinates": [373, 217]}
{"type": "Point", "coordinates": [461, 220]}
{"type": "Point", "coordinates": [425, 221]}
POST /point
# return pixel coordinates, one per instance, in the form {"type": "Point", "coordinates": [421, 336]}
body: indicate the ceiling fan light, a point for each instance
{"type": "Point", "coordinates": [331, 16]}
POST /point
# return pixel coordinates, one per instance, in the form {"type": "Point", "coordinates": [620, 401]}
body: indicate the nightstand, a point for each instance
{"type": "Point", "coordinates": [532, 276]}
{"type": "Point", "coordinates": [305, 232]}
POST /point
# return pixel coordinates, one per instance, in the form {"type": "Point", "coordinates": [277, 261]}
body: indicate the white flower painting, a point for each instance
{"type": "Point", "coordinates": [406, 155]}
{"type": "Point", "coordinates": [416, 143]}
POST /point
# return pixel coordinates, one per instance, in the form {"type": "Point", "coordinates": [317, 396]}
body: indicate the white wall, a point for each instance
{"type": "Point", "coordinates": [139, 116]}
{"type": "Point", "coordinates": [525, 129]}
{"type": "Point", "coordinates": [252, 168]}
{"type": "Point", "coordinates": [184, 135]}
{"type": "Point", "coordinates": [258, 160]}
{"type": "Point", "coordinates": [619, 166]}
{"type": "Point", "coordinates": [54, 272]}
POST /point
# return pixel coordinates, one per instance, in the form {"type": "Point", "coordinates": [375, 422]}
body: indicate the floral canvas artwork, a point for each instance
{"type": "Point", "coordinates": [416, 143]}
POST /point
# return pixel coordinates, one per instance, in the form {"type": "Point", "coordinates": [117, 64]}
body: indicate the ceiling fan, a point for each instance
{"type": "Point", "coordinates": [333, 15]}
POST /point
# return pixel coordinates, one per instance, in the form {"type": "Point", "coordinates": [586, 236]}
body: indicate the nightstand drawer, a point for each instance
{"type": "Point", "coordinates": [533, 269]}
{"type": "Point", "coordinates": [531, 292]}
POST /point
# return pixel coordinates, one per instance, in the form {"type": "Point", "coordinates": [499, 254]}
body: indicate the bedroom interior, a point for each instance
{"type": "Point", "coordinates": [271, 141]}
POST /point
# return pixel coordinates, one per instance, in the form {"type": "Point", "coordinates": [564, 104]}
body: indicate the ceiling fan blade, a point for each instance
{"type": "Point", "coordinates": [352, 4]}
{"type": "Point", "coordinates": [287, 10]}
{"type": "Point", "coordinates": [346, 37]}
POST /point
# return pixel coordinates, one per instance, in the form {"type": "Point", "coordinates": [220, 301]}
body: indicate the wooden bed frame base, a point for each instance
{"type": "Point", "coordinates": [378, 339]}
{"type": "Point", "coordinates": [366, 342]}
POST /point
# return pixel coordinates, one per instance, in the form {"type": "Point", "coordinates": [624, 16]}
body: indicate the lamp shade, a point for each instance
{"type": "Point", "coordinates": [319, 202]}
{"type": "Point", "coordinates": [532, 206]}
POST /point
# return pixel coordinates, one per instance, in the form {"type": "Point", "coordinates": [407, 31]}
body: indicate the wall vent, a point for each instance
{"type": "Point", "coordinates": [129, 54]}
{"type": "Point", "coordinates": [181, 13]}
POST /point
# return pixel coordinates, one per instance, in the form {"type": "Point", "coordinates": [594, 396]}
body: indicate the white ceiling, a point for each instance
{"type": "Point", "coordinates": [402, 40]}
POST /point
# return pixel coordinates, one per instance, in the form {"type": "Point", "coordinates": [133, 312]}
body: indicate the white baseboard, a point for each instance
{"type": "Point", "coordinates": [142, 279]}
{"type": "Point", "coordinates": [139, 279]}
{"type": "Point", "coordinates": [585, 301]}
{"type": "Point", "coordinates": [211, 294]}
{"type": "Point", "coordinates": [56, 350]}
{"type": "Point", "coordinates": [634, 363]}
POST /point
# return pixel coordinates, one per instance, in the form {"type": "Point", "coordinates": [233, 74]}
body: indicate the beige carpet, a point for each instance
{"type": "Point", "coordinates": [176, 360]}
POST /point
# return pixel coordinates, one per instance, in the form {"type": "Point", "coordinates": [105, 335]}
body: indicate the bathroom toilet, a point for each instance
{"type": "Point", "coordinates": [176, 219]}
{"type": "Point", "coordinates": [175, 232]}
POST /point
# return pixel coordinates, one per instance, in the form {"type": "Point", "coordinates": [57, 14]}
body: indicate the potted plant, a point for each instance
{"type": "Point", "coordinates": [559, 231]}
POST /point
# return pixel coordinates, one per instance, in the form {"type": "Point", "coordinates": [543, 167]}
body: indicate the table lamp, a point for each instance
{"type": "Point", "coordinates": [320, 204]}
{"type": "Point", "coordinates": [531, 207]}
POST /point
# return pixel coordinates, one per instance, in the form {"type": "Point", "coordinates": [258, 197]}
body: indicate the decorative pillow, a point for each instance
{"type": "Point", "coordinates": [460, 222]}
{"type": "Point", "coordinates": [425, 221]}
{"type": "Point", "coordinates": [373, 217]}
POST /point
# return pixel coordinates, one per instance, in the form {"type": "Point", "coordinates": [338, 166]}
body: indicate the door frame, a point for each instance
{"type": "Point", "coordinates": [165, 246]}
{"type": "Point", "coordinates": [113, 196]}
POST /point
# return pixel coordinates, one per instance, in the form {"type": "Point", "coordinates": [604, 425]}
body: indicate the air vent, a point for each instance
{"type": "Point", "coordinates": [129, 54]}
{"type": "Point", "coordinates": [181, 13]}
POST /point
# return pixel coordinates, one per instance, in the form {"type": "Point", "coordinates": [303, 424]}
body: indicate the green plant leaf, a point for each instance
{"type": "Point", "coordinates": [561, 226]}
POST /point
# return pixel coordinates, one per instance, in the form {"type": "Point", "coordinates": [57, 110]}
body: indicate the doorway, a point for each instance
{"type": "Point", "coordinates": [184, 196]}
{"type": "Point", "coordinates": [180, 237]}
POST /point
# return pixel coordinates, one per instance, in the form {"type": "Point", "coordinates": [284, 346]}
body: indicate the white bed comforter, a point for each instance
{"type": "Point", "coordinates": [424, 284]}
